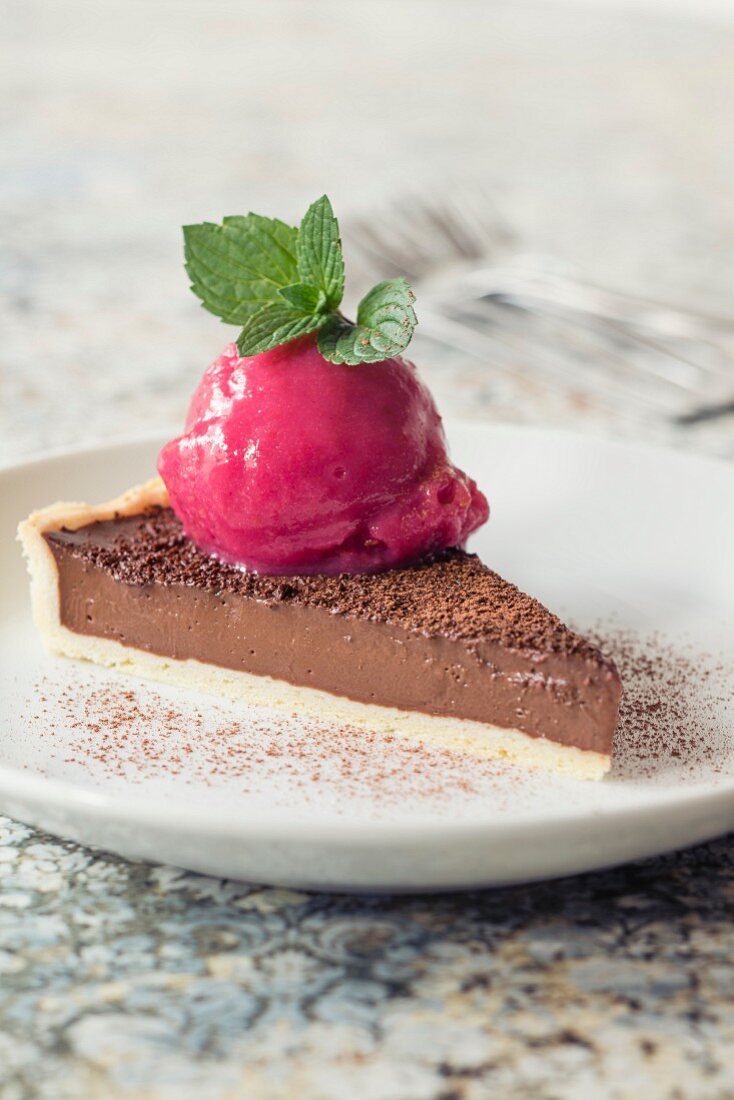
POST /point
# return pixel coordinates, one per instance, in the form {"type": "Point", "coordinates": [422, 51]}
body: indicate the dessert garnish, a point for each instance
{"type": "Point", "coordinates": [279, 282]}
{"type": "Point", "coordinates": [310, 446]}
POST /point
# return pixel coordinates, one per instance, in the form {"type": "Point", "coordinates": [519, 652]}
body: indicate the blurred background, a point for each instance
{"type": "Point", "coordinates": [547, 173]}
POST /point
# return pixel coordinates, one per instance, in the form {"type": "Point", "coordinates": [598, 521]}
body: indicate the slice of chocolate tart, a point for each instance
{"type": "Point", "coordinates": [446, 650]}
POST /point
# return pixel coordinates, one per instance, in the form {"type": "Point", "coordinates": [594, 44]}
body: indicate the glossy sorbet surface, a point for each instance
{"type": "Point", "coordinates": [291, 464]}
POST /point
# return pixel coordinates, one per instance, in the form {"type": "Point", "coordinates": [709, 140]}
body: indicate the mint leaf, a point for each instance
{"type": "Point", "coordinates": [304, 297]}
{"type": "Point", "coordinates": [273, 239]}
{"type": "Point", "coordinates": [238, 266]}
{"type": "Point", "coordinates": [385, 323]}
{"type": "Point", "coordinates": [387, 312]}
{"type": "Point", "coordinates": [275, 324]}
{"type": "Point", "coordinates": [319, 252]}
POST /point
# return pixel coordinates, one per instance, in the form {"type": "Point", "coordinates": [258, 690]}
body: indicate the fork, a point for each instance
{"type": "Point", "coordinates": [481, 292]}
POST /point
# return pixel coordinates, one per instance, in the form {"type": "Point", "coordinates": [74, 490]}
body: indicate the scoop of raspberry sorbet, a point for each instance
{"type": "Point", "coordinates": [291, 464]}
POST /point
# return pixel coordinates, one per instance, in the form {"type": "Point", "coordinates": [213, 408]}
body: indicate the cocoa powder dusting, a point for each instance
{"type": "Point", "coordinates": [677, 709]}
{"type": "Point", "coordinates": [136, 735]}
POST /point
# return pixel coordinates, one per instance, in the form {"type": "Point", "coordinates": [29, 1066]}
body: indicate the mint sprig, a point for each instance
{"type": "Point", "coordinates": [279, 283]}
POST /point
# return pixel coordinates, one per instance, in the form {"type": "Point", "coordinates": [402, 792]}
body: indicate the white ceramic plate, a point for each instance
{"type": "Point", "coordinates": [630, 541]}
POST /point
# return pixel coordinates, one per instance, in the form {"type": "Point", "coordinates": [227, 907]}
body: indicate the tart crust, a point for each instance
{"type": "Point", "coordinates": [476, 738]}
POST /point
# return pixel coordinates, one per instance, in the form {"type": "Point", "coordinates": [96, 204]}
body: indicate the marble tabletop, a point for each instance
{"type": "Point", "coordinates": [604, 133]}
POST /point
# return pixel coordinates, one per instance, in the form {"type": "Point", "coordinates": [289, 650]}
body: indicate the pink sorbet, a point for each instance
{"type": "Point", "coordinates": [291, 464]}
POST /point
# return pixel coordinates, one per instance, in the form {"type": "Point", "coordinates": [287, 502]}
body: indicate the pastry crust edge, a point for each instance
{"type": "Point", "coordinates": [479, 739]}
{"type": "Point", "coordinates": [41, 563]}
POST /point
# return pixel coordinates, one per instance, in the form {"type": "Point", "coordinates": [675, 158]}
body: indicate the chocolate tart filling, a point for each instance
{"type": "Point", "coordinates": [448, 637]}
